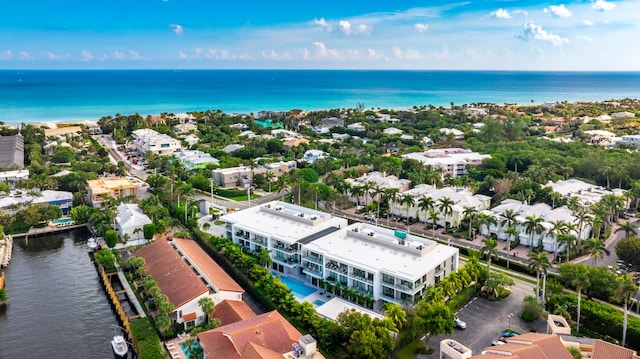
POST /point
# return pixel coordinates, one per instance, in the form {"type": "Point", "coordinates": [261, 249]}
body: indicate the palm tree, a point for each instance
{"type": "Point", "coordinates": [558, 227]}
{"type": "Point", "coordinates": [264, 257]}
{"type": "Point", "coordinates": [539, 262]}
{"type": "Point", "coordinates": [625, 288]}
{"type": "Point", "coordinates": [356, 191]}
{"type": "Point", "coordinates": [207, 306]}
{"type": "Point", "coordinates": [377, 193]}
{"type": "Point", "coordinates": [568, 241]}
{"type": "Point", "coordinates": [596, 248]}
{"type": "Point", "coordinates": [533, 227]}
{"type": "Point", "coordinates": [486, 220]}
{"type": "Point", "coordinates": [396, 314]}
{"type": "Point", "coordinates": [426, 204]}
{"type": "Point", "coordinates": [269, 176]}
{"type": "Point", "coordinates": [163, 323]}
{"type": "Point", "coordinates": [580, 280]}
{"type": "Point", "coordinates": [391, 197]}
{"type": "Point", "coordinates": [445, 206]}
{"type": "Point", "coordinates": [469, 213]}
{"type": "Point", "coordinates": [490, 249]}
{"type": "Point", "coordinates": [433, 217]}
{"type": "Point", "coordinates": [628, 228]}
{"type": "Point", "coordinates": [582, 217]}
{"type": "Point", "coordinates": [512, 232]}
{"type": "Point", "coordinates": [510, 218]}
{"type": "Point", "coordinates": [409, 201]}
{"type": "Point", "coordinates": [282, 183]}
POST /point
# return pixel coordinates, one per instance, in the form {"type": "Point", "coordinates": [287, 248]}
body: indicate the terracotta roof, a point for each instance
{"type": "Point", "coordinates": [528, 346]}
{"type": "Point", "coordinates": [255, 351]}
{"type": "Point", "coordinates": [606, 350]}
{"type": "Point", "coordinates": [208, 266]}
{"type": "Point", "coordinates": [269, 330]}
{"type": "Point", "coordinates": [174, 277]}
{"type": "Point", "coordinates": [231, 311]}
{"type": "Point", "coordinates": [189, 317]}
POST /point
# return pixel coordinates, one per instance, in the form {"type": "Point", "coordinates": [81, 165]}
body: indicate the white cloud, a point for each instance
{"type": "Point", "coordinates": [177, 29]}
{"type": "Point", "coordinates": [558, 10]}
{"type": "Point", "coordinates": [535, 32]}
{"type": "Point", "coordinates": [343, 25]}
{"type": "Point", "coordinates": [118, 55]}
{"type": "Point", "coordinates": [322, 23]}
{"type": "Point", "coordinates": [409, 54]}
{"type": "Point", "coordinates": [324, 52]}
{"type": "Point", "coordinates": [588, 22]}
{"type": "Point", "coordinates": [25, 55]}
{"type": "Point", "coordinates": [602, 5]}
{"type": "Point", "coordinates": [525, 13]}
{"type": "Point", "coordinates": [135, 55]}
{"type": "Point", "coordinates": [182, 55]}
{"type": "Point", "coordinates": [7, 55]}
{"type": "Point", "coordinates": [584, 37]}
{"type": "Point", "coordinates": [373, 54]}
{"type": "Point", "coordinates": [421, 27]}
{"type": "Point", "coordinates": [271, 54]}
{"type": "Point", "coordinates": [52, 56]}
{"type": "Point", "coordinates": [86, 55]}
{"type": "Point", "coordinates": [501, 14]}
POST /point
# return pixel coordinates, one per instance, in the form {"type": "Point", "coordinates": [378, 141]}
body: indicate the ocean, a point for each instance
{"type": "Point", "coordinates": [41, 95]}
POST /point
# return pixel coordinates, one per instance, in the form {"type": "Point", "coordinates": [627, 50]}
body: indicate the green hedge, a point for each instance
{"type": "Point", "coordinates": [601, 318]}
{"type": "Point", "coordinates": [147, 339]}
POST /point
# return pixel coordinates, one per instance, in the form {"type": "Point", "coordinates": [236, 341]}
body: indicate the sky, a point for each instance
{"type": "Point", "coordinates": [586, 35]}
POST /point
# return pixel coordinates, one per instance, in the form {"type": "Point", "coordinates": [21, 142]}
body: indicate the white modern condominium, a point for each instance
{"type": "Point", "coordinates": [388, 265]}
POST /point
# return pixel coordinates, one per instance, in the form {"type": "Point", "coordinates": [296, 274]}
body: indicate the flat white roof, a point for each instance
{"type": "Point", "coordinates": [382, 250]}
{"type": "Point", "coordinates": [335, 306]}
{"type": "Point", "coordinates": [285, 221]}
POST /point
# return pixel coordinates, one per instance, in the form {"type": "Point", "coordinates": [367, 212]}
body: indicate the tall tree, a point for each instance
{"type": "Point", "coordinates": [539, 262]}
{"type": "Point", "coordinates": [533, 227]}
{"type": "Point", "coordinates": [489, 247]}
{"type": "Point", "coordinates": [408, 201]}
{"type": "Point", "coordinates": [596, 248]}
{"type": "Point", "coordinates": [628, 228]}
{"type": "Point", "coordinates": [426, 204]}
{"type": "Point", "coordinates": [625, 289]}
{"type": "Point", "coordinates": [207, 306]}
{"type": "Point", "coordinates": [445, 206]}
{"type": "Point", "coordinates": [469, 213]}
{"type": "Point", "coordinates": [578, 276]}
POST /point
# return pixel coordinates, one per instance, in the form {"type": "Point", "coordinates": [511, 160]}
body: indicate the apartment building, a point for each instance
{"type": "Point", "coordinates": [116, 187]}
{"type": "Point", "coordinates": [460, 199]}
{"type": "Point", "coordinates": [389, 265]}
{"type": "Point", "coordinates": [195, 159]}
{"type": "Point", "coordinates": [453, 161]}
{"type": "Point", "coordinates": [586, 193]}
{"type": "Point", "coordinates": [158, 143]}
{"type": "Point", "coordinates": [243, 175]}
{"type": "Point", "coordinates": [282, 228]}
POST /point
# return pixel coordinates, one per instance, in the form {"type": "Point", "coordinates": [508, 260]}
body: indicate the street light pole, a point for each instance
{"type": "Point", "coordinates": [510, 316]}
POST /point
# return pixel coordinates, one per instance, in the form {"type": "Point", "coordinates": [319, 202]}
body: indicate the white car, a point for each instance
{"type": "Point", "coordinates": [459, 323]}
{"type": "Point", "coordinates": [497, 342]}
{"type": "Point", "coordinates": [370, 217]}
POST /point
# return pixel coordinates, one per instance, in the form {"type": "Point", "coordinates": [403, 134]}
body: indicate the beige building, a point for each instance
{"type": "Point", "coordinates": [115, 187]}
{"type": "Point", "coordinates": [243, 175]}
{"type": "Point", "coordinates": [158, 143]}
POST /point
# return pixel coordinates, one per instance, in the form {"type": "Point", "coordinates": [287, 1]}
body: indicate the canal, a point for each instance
{"type": "Point", "coordinates": [57, 307]}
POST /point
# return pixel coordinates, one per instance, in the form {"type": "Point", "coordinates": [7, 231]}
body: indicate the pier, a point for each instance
{"type": "Point", "coordinates": [47, 230]}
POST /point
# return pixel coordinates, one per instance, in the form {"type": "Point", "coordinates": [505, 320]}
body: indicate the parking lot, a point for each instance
{"type": "Point", "coordinates": [487, 320]}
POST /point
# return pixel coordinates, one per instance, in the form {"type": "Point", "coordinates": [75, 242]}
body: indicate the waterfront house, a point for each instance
{"type": "Point", "coordinates": [12, 177]}
{"type": "Point", "coordinates": [358, 126]}
{"type": "Point", "coordinates": [185, 127]}
{"type": "Point", "coordinates": [130, 221]}
{"type": "Point", "coordinates": [265, 336]}
{"type": "Point", "coordinates": [18, 200]}
{"type": "Point", "coordinates": [115, 187]}
{"type": "Point", "coordinates": [176, 280]}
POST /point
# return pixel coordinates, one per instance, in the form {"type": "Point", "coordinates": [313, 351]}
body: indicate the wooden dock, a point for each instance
{"type": "Point", "coordinates": [47, 230]}
{"type": "Point", "coordinates": [6, 247]}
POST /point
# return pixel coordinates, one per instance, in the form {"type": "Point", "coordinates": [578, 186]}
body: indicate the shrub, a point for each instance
{"type": "Point", "coordinates": [149, 230]}
{"type": "Point", "coordinates": [111, 238]}
{"type": "Point", "coordinates": [105, 258]}
{"type": "Point", "coordinates": [531, 310]}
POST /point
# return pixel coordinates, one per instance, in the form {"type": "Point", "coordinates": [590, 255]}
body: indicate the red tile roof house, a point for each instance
{"type": "Point", "coordinates": [186, 277]}
{"type": "Point", "coordinates": [266, 336]}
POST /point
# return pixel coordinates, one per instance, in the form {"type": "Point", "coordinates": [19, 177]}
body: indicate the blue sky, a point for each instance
{"type": "Point", "coordinates": [348, 34]}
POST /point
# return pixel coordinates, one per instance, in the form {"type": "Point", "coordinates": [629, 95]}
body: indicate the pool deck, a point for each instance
{"type": "Point", "coordinates": [173, 347]}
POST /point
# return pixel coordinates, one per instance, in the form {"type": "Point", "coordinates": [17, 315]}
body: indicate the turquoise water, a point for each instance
{"type": "Point", "coordinates": [44, 95]}
{"type": "Point", "coordinates": [185, 348]}
{"type": "Point", "coordinates": [318, 302]}
{"type": "Point", "coordinates": [299, 289]}
{"type": "Point", "coordinates": [61, 220]}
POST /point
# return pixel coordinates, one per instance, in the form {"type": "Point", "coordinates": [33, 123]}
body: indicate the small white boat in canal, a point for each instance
{"type": "Point", "coordinates": [119, 345]}
{"type": "Point", "coordinates": [92, 243]}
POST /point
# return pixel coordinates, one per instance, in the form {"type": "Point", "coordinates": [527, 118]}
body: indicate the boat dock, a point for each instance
{"type": "Point", "coordinates": [48, 230]}
{"type": "Point", "coordinates": [6, 247]}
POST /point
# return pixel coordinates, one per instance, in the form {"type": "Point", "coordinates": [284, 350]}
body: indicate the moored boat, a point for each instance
{"type": "Point", "coordinates": [119, 345]}
{"type": "Point", "coordinates": [92, 243]}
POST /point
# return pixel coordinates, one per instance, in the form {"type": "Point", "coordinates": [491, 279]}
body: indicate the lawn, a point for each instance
{"type": "Point", "coordinates": [410, 351]}
{"type": "Point", "coordinates": [235, 194]}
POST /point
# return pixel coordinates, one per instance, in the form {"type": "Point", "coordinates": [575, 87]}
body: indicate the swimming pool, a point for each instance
{"type": "Point", "coordinates": [299, 289]}
{"type": "Point", "coordinates": [185, 348]}
{"type": "Point", "coordinates": [318, 302]}
{"type": "Point", "coordinates": [62, 222]}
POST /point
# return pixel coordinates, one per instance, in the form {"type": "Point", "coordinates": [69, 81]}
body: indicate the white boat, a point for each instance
{"type": "Point", "coordinates": [92, 243]}
{"type": "Point", "coordinates": [119, 345]}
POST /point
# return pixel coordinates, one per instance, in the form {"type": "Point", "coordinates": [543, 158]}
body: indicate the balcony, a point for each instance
{"type": "Point", "coordinates": [314, 271]}
{"type": "Point", "coordinates": [402, 287]}
{"type": "Point", "coordinates": [361, 278]}
{"type": "Point", "coordinates": [242, 235]}
{"type": "Point", "coordinates": [313, 259]}
{"type": "Point", "coordinates": [337, 268]}
{"type": "Point", "coordinates": [281, 247]}
{"type": "Point", "coordinates": [290, 262]}
{"type": "Point", "coordinates": [262, 242]}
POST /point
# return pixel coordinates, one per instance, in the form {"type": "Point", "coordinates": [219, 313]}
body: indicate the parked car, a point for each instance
{"type": "Point", "coordinates": [369, 217]}
{"type": "Point", "coordinates": [497, 342]}
{"type": "Point", "coordinates": [459, 323]}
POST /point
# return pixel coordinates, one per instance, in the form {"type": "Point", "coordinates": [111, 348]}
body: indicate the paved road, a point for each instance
{"type": "Point", "coordinates": [107, 142]}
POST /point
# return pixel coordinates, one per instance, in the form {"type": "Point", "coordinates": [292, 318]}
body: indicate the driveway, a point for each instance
{"type": "Point", "coordinates": [487, 320]}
